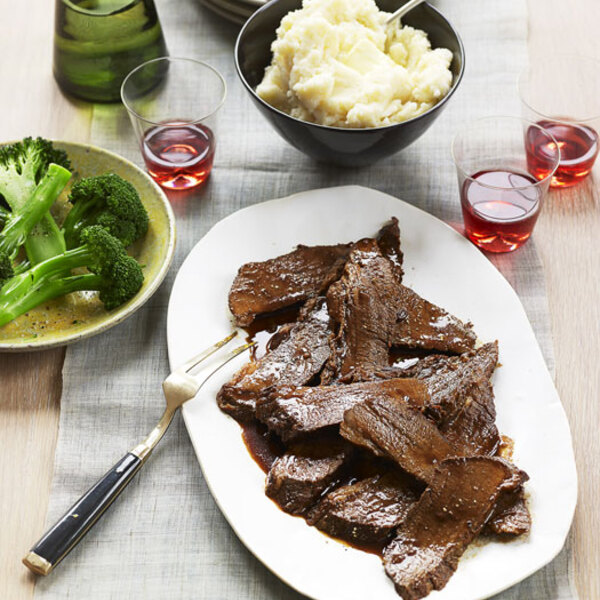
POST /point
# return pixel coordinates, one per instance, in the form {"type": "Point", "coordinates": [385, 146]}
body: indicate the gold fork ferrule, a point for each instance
{"type": "Point", "coordinates": [142, 451]}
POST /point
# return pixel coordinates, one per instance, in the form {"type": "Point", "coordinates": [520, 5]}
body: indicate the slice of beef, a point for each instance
{"type": "Point", "coordinates": [374, 311]}
{"type": "Point", "coordinates": [365, 512]}
{"type": "Point", "coordinates": [448, 378]}
{"type": "Point", "coordinates": [392, 428]}
{"type": "Point", "coordinates": [388, 240]}
{"type": "Point", "coordinates": [264, 287]}
{"type": "Point", "coordinates": [511, 516]}
{"type": "Point", "coordinates": [473, 427]}
{"type": "Point", "coordinates": [448, 516]}
{"type": "Point", "coordinates": [364, 303]}
{"type": "Point", "coordinates": [297, 479]}
{"type": "Point", "coordinates": [295, 360]}
{"type": "Point", "coordinates": [270, 285]}
{"type": "Point", "coordinates": [463, 411]}
{"type": "Point", "coordinates": [292, 413]}
{"type": "Point", "coordinates": [422, 324]}
{"type": "Point", "coordinates": [441, 366]}
{"type": "Point", "coordinates": [462, 398]}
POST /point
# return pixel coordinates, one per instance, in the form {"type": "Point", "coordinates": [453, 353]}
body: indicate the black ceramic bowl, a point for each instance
{"type": "Point", "coordinates": [342, 146]}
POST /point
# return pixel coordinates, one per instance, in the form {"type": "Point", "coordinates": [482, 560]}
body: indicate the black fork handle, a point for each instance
{"type": "Point", "coordinates": [82, 516]}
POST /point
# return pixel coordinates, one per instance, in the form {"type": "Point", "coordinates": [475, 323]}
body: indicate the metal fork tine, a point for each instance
{"type": "Point", "coordinates": [196, 360]}
{"type": "Point", "coordinates": [230, 356]}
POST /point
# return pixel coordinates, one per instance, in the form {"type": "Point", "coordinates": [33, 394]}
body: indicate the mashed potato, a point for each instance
{"type": "Point", "coordinates": [336, 63]}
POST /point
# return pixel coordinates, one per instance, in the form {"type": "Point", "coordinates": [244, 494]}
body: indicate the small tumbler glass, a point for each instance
{"type": "Point", "coordinates": [571, 113]}
{"type": "Point", "coordinates": [176, 121]}
{"type": "Point", "coordinates": [500, 196]}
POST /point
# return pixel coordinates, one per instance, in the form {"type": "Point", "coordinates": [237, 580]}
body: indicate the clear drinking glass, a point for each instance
{"type": "Point", "coordinates": [97, 42]}
{"type": "Point", "coordinates": [571, 113]}
{"type": "Point", "coordinates": [176, 120]}
{"type": "Point", "coordinates": [501, 196]}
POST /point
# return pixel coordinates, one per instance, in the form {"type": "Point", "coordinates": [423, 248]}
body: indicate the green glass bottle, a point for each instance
{"type": "Point", "coordinates": [98, 42]}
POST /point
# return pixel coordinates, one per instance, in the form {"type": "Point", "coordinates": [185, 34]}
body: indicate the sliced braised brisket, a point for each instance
{"type": "Point", "coordinates": [422, 324]}
{"type": "Point", "coordinates": [264, 287]}
{"type": "Point", "coordinates": [298, 478]}
{"type": "Point", "coordinates": [448, 516]}
{"type": "Point", "coordinates": [364, 302]}
{"type": "Point", "coordinates": [295, 412]}
{"type": "Point", "coordinates": [330, 399]}
{"type": "Point", "coordinates": [388, 240]}
{"type": "Point", "coordinates": [462, 397]}
{"type": "Point", "coordinates": [374, 312]}
{"type": "Point", "coordinates": [365, 512]}
{"type": "Point", "coordinates": [295, 360]}
{"type": "Point", "coordinates": [473, 427]}
{"type": "Point", "coordinates": [392, 428]}
{"type": "Point", "coordinates": [448, 378]}
{"type": "Point", "coordinates": [511, 516]}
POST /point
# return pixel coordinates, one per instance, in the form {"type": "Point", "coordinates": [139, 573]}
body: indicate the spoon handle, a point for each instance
{"type": "Point", "coordinates": [403, 10]}
{"type": "Point", "coordinates": [81, 517]}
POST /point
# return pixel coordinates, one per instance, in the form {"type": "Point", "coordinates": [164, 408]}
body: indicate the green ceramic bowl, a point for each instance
{"type": "Point", "coordinates": [81, 315]}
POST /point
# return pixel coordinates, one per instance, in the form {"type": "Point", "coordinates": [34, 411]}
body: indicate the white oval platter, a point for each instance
{"type": "Point", "coordinates": [445, 268]}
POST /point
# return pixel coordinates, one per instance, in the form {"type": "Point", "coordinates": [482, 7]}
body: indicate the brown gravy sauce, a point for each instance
{"type": "Point", "coordinates": [264, 331]}
{"type": "Point", "coordinates": [263, 446]}
{"type": "Point", "coordinates": [376, 549]}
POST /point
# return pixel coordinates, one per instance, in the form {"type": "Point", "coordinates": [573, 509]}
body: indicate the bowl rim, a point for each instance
{"type": "Point", "coordinates": [356, 130]}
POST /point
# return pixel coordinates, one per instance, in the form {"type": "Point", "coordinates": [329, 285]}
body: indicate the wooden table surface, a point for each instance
{"type": "Point", "coordinates": [566, 236]}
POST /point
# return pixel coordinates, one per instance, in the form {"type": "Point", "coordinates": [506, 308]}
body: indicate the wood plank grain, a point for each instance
{"type": "Point", "coordinates": [30, 384]}
{"type": "Point", "coordinates": [567, 239]}
{"type": "Point", "coordinates": [29, 409]}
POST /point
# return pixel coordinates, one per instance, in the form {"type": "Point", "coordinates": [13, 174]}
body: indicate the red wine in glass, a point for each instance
{"type": "Point", "coordinates": [578, 150]}
{"type": "Point", "coordinates": [179, 156]}
{"type": "Point", "coordinates": [501, 217]}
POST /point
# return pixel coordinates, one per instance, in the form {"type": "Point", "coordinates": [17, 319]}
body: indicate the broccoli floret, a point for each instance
{"type": "Point", "coordinates": [20, 222]}
{"type": "Point", "coordinates": [121, 283]}
{"type": "Point", "coordinates": [109, 201]}
{"type": "Point", "coordinates": [22, 166]}
{"type": "Point", "coordinates": [115, 275]}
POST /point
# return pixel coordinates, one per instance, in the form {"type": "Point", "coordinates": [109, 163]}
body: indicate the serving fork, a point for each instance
{"type": "Point", "coordinates": [179, 387]}
{"type": "Point", "coordinates": [405, 8]}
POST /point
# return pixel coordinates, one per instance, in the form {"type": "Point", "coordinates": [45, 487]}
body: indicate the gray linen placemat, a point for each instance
{"type": "Point", "coordinates": [165, 538]}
